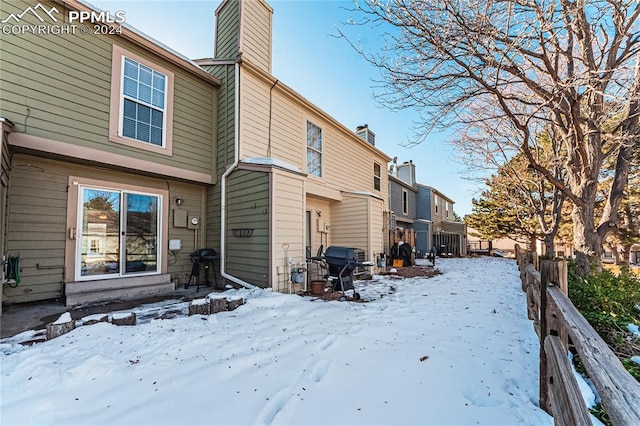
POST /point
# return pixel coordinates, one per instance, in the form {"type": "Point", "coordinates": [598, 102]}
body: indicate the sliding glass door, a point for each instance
{"type": "Point", "coordinates": [119, 233]}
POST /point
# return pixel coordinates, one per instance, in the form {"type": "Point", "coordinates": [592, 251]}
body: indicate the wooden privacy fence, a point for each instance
{"type": "Point", "coordinates": [558, 324]}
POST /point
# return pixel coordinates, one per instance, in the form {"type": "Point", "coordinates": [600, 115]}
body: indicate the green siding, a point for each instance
{"type": "Point", "coordinates": [227, 30]}
{"type": "Point", "coordinates": [248, 207]}
{"type": "Point", "coordinates": [37, 222]}
{"type": "Point", "coordinates": [179, 263]}
{"type": "Point", "coordinates": [58, 87]}
{"type": "Point", "coordinates": [37, 226]}
{"type": "Point", "coordinates": [224, 154]}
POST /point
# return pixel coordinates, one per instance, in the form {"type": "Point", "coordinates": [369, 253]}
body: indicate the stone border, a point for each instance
{"type": "Point", "coordinates": [212, 304]}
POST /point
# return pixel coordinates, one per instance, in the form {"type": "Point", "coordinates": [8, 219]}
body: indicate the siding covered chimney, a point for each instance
{"type": "Point", "coordinates": [244, 28]}
{"type": "Point", "coordinates": [365, 133]}
{"type": "Point", "coordinates": [407, 173]}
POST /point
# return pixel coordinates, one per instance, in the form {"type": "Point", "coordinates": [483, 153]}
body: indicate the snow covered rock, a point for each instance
{"type": "Point", "coordinates": [62, 325]}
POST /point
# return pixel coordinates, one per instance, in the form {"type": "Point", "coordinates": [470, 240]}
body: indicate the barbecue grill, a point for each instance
{"type": "Point", "coordinates": [204, 257]}
{"type": "Point", "coordinates": [341, 263]}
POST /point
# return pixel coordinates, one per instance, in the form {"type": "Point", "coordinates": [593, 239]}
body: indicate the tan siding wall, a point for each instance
{"type": "Point", "coordinates": [58, 87]}
{"type": "Point", "coordinates": [319, 238]}
{"type": "Point", "coordinates": [248, 207]}
{"type": "Point", "coordinates": [288, 224]}
{"type": "Point", "coordinates": [350, 223]}
{"type": "Point", "coordinates": [256, 33]}
{"type": "Point", "coordinates": [37, 222]}
{"type": "Point", "coordinates": [376, 228]}
{"type": "Point", "coordinates": [288, 139]}
{"type": "Point", "coordinates": [287, 134]}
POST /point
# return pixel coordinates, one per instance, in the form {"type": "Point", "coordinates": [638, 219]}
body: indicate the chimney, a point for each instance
{"type": "Point", "coordinates": [407, 173]}
{"type": "Point", "coordinates": [365, 133]}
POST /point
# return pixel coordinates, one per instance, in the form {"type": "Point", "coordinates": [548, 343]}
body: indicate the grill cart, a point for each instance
{"type": "Point", "coordinates": [204, 257]}
{"type": "Point", "coordinates": [341, 264]}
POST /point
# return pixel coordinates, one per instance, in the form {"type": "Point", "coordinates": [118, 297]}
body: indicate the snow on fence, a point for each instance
{"type": "Point", "coordinates": [558, 324]}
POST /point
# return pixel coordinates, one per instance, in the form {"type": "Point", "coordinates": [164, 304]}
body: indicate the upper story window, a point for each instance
{"type": "Point", "coordinates": [446, 209]}
{"type": "Point", "coordinates": [141, 113]}
{"type": "Point", "coordinates": [435, 203]}
{"type": "Point", "coordinates": [405, 202]}
{"type": "Point", "coordinates": [144, 93]}
{"type": "Point", "coordinates": [377, 176]}
{"type": "Point", "coordinates": [314, 149]}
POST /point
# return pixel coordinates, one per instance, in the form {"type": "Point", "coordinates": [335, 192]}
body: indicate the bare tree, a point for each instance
{"type": "Point", "coordinates": [532, 63]}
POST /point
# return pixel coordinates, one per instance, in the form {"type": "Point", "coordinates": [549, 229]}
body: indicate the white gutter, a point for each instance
{"type": "Point", "coordinates": [223, 183]}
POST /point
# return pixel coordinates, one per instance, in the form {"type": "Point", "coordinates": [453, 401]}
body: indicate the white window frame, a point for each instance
{"type": "Point", "coordinates": [138, 101]}
{"type": "Point", "coordinates": [377, 178]}
{"type": "Point", "coordinates": [118, 97]}
{"type": "Point", "coordinates": [314, 150]}
{"type": "Point", "coordinates": [159, 232]}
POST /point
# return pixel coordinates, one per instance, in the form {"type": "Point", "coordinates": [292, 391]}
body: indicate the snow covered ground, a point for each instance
{"type": "Point", "coordinates": [455, 349]}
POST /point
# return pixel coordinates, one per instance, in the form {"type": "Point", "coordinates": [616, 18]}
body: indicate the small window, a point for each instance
{"type": "Point", "coordinates": [405, 202]}
{"type": "Point", "coordinates": [435, 202]}
{"type": "Point", "coordinates": [314, 149]}
{"type": "Point", "coordinates": [446, 209]}
{"type": "Point", "coordinates": [376, 176]}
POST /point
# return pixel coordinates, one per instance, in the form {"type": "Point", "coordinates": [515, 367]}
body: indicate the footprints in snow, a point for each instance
{"type": "Point", "coordinates": [314, 374]}
{"type": "Point", "coordinates": [327, 342]}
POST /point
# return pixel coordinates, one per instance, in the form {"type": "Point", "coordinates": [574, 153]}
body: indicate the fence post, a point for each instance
{"type": "Point", "coordinates": [552, 272]}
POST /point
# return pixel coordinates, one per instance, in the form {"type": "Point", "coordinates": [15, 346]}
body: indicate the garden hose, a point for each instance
{"type": "Point", "coordinates": [13, 271]}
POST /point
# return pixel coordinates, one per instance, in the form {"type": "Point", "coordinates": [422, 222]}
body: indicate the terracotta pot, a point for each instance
{"type": "Point", "coordinates": [317, 287]}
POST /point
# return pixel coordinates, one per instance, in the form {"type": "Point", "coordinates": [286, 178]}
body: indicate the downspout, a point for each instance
{"type": "Point", "coordinates": [223, 183]}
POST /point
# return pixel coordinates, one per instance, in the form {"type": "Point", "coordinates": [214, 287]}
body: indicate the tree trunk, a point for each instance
{"type": "Point", "coordinates": [549, 248]}
{"type": "Point", "coordinates": [625, 254]}
{"type": "Point", "coordinates": [587, 243]}
{"type": "Point", "coordinates": [533, 245]}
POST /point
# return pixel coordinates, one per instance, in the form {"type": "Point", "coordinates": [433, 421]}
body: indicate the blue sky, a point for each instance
{"type": "Point", "coordinates": [308, 57]}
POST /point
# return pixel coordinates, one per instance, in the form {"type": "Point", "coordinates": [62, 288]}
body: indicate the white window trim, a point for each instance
{"type": "Point", "coordinates": [307, 147]}
{"type": "Point", "coordinates": [79, 224]}
{"type": "Point", "coordinates": [71, 248]}
{"type": "Point", "coordinates": [377, 178]}
{"type": "Point", "coordinates": [117, 103]}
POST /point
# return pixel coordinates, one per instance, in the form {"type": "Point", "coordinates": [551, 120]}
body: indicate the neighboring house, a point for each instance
{"type": "Point", "coordinates": [292, 178]}
{"type": "Point", "coordinates": [448, 236]}
{"type": "Point", "coordinates": [402, 204]}
{"type": "Point", "coordinates": [107, 155]}
{"type": "Point", "coordinates": [421, 215]}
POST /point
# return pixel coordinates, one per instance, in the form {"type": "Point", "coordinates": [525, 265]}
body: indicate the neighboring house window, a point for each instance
{"type": "Point", "coordinates": [314, 149]}
{"type": "Point", "coordinates": [141, 113]}
{"type": "Point", "coordinates": [376, 176]}
{"type": "Point", "coordinates": [144, 97]}
{"type": "Point", "coordinates": [405, 202]}
{"type": "Point", "coordinates": [446, 209]}
{"type": "Point", "coordinates": [435, 202]}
